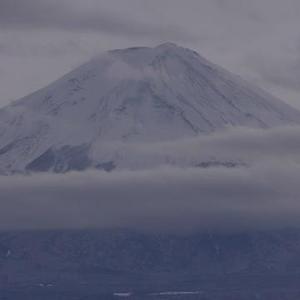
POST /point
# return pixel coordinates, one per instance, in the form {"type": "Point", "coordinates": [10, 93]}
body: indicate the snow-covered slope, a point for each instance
{"type": "Point", "coordinates": [131, 95]}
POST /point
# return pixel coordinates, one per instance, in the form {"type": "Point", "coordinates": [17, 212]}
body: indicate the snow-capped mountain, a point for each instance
{"type": "Point", "coordinates": [134, 95]}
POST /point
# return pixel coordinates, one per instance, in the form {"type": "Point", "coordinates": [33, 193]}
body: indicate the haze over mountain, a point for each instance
{"type": "Point", "coordinates": [135, 95]}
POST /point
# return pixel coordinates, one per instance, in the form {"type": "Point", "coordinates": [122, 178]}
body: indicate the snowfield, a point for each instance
{"type": "Point", "coordinates": [136, 95]}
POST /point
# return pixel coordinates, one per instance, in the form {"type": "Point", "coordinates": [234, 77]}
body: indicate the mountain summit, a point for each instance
{"type": "Point", "coordinates": [138, 94]}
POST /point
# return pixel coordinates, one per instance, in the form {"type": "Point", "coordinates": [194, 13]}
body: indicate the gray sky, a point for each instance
{"type": "Point", "coordinates": [40, 40]}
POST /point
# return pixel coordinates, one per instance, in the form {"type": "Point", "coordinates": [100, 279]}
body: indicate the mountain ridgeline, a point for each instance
{"type": "Point", "coordinates": [135, 95]}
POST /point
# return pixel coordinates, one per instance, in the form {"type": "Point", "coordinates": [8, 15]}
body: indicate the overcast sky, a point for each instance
{"type": "Point", "coordinates": [40, 40]}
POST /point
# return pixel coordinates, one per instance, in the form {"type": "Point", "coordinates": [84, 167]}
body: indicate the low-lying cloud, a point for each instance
{"type": "Point", "coordinates": [262, 194]}
{"type": "Point", "coordinates": [239, 146]}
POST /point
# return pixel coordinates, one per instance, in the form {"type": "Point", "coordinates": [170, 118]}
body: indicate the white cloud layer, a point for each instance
{"type": "Point", "coordinates": [263, 194]}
